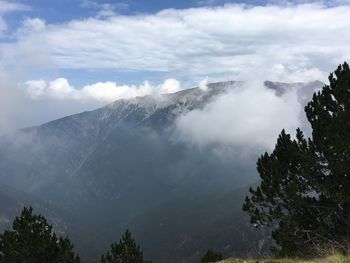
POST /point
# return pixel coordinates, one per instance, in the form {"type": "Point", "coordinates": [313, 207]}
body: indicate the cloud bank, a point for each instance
{"type": "Point", "coordinates": [248, 117]}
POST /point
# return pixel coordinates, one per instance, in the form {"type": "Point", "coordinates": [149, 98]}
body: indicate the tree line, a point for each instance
{"type": "Point", "coordinates": [32, 240]}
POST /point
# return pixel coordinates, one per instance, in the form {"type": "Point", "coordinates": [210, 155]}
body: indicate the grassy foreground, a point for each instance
{"type": "Point", "coordinates": [329, 259]}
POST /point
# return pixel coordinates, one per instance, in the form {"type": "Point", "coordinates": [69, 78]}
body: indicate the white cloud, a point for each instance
{"type": "Point", "coordinates": [306, 40]}
{"type": "Point", "coordinates": [170, 86]}
{"type": "Point", "coordinates": [11, 101]}
{"type": "Point", "coordinates": [11, 6]}
{"type": "Point", "coordinates": [203, 84]}
{"type": "Point", "coordinates": [103, 92]}
{"type": "Point", "coordinates": [248, 118]}
{"type": "Point", "coordinates": [34, 24]}
{"type": "Point", "coordinates": [31, 52]}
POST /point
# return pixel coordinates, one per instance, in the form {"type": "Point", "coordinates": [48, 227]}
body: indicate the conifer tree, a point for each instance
{"type": "Point", "coordinates": [126, 251]}
{"type": "Point", "coordinates": [329, 116]}
{"type": "Point", "coordinates": [32, 240]}
{"type": "Point", "coordinates": [304, 191]}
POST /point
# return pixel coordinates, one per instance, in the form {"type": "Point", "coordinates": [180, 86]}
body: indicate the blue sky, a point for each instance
{"type": "Point", "coordinates": [63, 10]}
{"type": "Point", "coordinates": [74, 55]}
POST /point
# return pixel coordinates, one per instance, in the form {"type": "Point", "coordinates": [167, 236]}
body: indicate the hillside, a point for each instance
{"type": "Point", "coordinates": [121, 167]}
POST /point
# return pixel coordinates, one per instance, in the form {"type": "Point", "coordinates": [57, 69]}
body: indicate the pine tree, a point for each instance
{"type": "Point", "coordinates": [304, 191]}
{"type": "Point", "coordinates": [126, 251]}
{"type": "Point", "coordinates": [329, 116]}
{"type": "Point", "coordinates": [32, 240]}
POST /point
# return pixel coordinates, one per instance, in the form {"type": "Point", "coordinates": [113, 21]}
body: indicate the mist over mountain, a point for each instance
{"type": "Point", "coordinates": [174, 168]}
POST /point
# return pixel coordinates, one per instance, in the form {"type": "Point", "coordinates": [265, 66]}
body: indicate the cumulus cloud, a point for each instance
{"type": "Point", "coordinates": [34, 24]}
{"type": "Point", "coordinates": [104, 92]}
{"type": "Point", "coordinates": [298, 40]}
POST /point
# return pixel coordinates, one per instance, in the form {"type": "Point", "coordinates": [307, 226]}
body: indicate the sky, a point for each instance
{"type": "Point", "coordinates": [63, 57]}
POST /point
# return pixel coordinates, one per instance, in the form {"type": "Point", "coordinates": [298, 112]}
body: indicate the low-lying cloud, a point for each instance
{"type": "Point", "coordinates": [11, 102]}
{"type": "Point", "coordinates": [247, 118]}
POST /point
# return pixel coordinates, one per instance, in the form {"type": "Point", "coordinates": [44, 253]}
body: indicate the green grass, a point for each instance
{"type": "Point", "coordinates": [330, 259]}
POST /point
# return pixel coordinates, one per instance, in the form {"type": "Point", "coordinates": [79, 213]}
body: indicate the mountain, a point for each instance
{"type": "Point", "coordinates": [121, 166]}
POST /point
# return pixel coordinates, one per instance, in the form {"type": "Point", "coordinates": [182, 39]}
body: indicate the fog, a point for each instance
{"type": "Point", "coordinates": [248, 117]}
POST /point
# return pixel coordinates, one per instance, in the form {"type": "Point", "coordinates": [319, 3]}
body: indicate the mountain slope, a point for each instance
{"type": "Point", "coordinates": [219, 224]}
{"type": "Point", "coordinates": [121, 167]}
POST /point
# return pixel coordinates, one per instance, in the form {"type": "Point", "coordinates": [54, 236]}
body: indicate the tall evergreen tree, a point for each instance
{"type": "Point", "coordinates": [32, 240]}
{"type": "Point", "coordinates": [126, 251]}
{"type": "Point", "coordinates": [304, 190]}
{"type": "Point", "coordinates": [329, 115]}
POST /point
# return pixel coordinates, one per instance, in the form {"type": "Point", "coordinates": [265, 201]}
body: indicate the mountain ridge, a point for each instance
{"type": "Point", "coordinates": [117, 165]}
